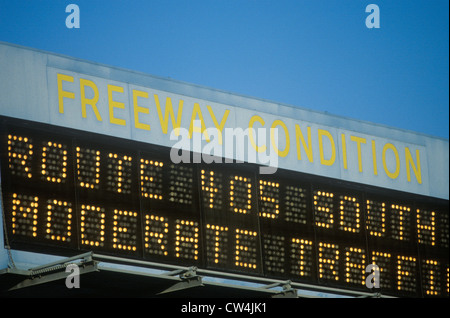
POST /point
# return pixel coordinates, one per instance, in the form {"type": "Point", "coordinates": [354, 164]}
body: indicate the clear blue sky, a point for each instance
{"type": "Point", "coordinates": [317, 54]}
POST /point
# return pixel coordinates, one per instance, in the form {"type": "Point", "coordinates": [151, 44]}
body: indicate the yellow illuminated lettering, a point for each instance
{"type": "Point", "coordinates": [216, 241]}
{"type": "Point", "coordinates": [139, 110]}
{"type": "Point", "coordinates": [113, 104]}
{"type": "Point", "coordinates": [88, 167]}
{"type": "Point", "coordinates": [86, 101]}
{"type": "Point", "coordinates": [410, 163]}
{"type": "Point", "coordinates": [268, 193]}
{"type": "Point", "coordinates": [431, 277]}
{"type": "Point", "coordinates": [400, 217]}
{"type": "Point", "coordinates": [374, 158]}
{"type": "Point", "coordinates": [92, 225]}
{"type": "Point", "coordinates": [392, 175]}
{"type": "Point", "coordinates": [328, 261]}
{"type": "Point", "coordinates": [426, 227]}
{"type": "Point", "coordinates": [448, 279]}
{"type": "Point", "coordinates": [350, 215]}
{"type": "Point", "coordinates": [124, 230]}
{"type": "Point", "coordinates": [54, 162]}
{"type": "Point", "coordinates": [156, 234]}
{"type": "Point", "coordinates": [254, 119]}
{"type": "Point", "coordinates": [216, 123]}
{"type": "Point", "coordinates": [59, 212]}
{"type": "Point", "coordinates": [382, 260]}
{"type": "Point", "coordinates": [168, 112]}
{"type": "Point", "coordinates": [359, 141]}
{"type": "Point", "coordinates": [306, 147]}
{"type": "Point", "coordinates": [245, 253]}
{"type": "Point", "coordinates": [237, 203]}
{"type": "Point", "coordinates": [209, 185]}
{"type": "Point", "coordinates": [198, 112]}
{"type": "Point", "coordinates": [186, 240]}
{"type": "Point", "coordinates": [119, 179]}
{"type": "Point", "coordinates": [323, 209]}
{"type": "Point", "coordinates": [344, 151]}
{"type": "Point", "coordinates": [20, 154]}
{"type": "Point", "coordinates": [302, 250]}
{"type": "Point", "coordinates": [62, 93]}
{"type": "Point", "coordinates": [24, 215]}
{"type": "Point", "coordinates": [327, 162]}
{"type": "Point", "coordinates": [151, 179]}
{"type": "Point", "coordinates": [285, 152]}
{"type": "Point", "coordinates": [355, 263]}
{"type": "Point", "coordinates": [376, 218]}
{"type": "Point", "coordinates": [406, 276]}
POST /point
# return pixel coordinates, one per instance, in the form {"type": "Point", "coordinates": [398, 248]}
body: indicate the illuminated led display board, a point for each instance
{"type": "Point", "coordinates": [72, 93]}
{"type": "Point", "coordinates": [66, 191]}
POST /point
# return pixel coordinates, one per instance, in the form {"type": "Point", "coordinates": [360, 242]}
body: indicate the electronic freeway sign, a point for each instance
{"type": "Point", "coordinates": [66, 191]}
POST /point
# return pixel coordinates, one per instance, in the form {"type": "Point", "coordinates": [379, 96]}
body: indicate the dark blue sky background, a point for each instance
{"type": "Point", "coordinates": [314, 54]}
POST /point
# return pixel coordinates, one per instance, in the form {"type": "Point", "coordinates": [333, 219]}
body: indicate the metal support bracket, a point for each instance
{"type": "Point", "coordinates": [57, 270]}
{"type": "Point", "coordinates": [374, 295]}
{"type": "Point", "coordinates": [188, 279]}
{"type": "Point", "coordinates": [287, 292]}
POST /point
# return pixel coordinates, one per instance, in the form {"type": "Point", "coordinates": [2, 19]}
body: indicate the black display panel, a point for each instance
{"type": "Point", "coordinates": [66, 191]}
